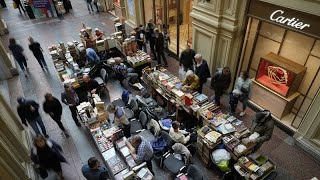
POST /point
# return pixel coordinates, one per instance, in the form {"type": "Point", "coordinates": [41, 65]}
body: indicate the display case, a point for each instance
{"type": "Point", "coordinates": [280, 74]}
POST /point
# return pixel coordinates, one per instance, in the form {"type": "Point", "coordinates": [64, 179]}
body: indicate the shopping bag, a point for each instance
{"type": "Point", "coordinates": [14, 5]}
{"type": "Point", "coordinates": [182, 73]}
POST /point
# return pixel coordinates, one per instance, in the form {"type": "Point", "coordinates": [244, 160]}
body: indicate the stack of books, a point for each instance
{"type": "Point", "coordinates": [213, 137]}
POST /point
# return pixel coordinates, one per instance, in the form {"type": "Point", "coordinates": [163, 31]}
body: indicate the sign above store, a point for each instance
{"type": "Point", "coordinates": [293, 22]}
{"type": "Point", "coordinates": [288, 18]}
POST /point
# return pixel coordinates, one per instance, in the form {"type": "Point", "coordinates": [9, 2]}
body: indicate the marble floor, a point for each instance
{"type": "Point", "coordinates": [291, 161]}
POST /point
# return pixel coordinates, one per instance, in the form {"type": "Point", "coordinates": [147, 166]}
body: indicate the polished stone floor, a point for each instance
{"type": "Point", "coordinates": [292, 162]}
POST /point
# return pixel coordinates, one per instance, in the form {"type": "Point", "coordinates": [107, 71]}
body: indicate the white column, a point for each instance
{"type": "Point", "coordinates": [7, 64]}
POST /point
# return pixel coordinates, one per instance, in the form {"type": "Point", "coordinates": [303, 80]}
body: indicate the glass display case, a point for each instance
{"type": "Point", "coordinates": [280, 74]}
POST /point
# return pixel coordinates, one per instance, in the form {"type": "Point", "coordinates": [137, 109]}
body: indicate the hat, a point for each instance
{"type": "Point", "coordinates": [96, 29]}
{"type": "Point", "coordinates": [261, 116]}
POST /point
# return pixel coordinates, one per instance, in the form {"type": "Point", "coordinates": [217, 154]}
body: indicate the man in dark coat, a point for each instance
{"type": "Point", "coordinates": [201, 70]}
{"type": "Point", "coordinates": [220, 83]}
{"type": "Point", "coordinates": [70, 98]}
{"type": "Point", "coordinates": [160, 47]}
{"type": "Point", "coordinates": [36, 49]}
{"type": "Point", "coordinates": [52, 106]}
{"type": "Point", "coordinates": [187, 58]}
{"type": "Point", "coordinates": [28, 111]}
{"type": "Point", "coordinates": [150, 37]}
{"type": "Point", "coordinates": [91, 84]}
{"type": "Point", "coordinates": [262, 124]}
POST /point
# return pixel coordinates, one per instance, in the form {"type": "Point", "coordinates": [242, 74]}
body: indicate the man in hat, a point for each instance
{"type": "Point", "coordinates": [28, 111]}
{"type": "Point", "coordinates": [262, 124]}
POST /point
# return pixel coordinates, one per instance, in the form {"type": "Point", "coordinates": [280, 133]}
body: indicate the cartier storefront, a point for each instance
{"type": "Point", "coordinates": [281, 50]}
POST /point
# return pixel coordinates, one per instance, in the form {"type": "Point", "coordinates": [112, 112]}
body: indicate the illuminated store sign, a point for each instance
{"type": "Point", "coordinates": [293, 22]}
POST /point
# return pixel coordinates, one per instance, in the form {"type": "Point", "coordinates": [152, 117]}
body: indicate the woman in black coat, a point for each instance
{"type": "Point", "coordinates": [52, 106]}
{"type": "Point", "coordinates": [46, 154]}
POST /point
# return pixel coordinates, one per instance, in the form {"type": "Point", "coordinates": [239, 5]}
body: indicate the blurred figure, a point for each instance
{"type": "Point", "coordinates": [92, 56]}
{"type": "Point", "coordinates": [191, 81]}
{"type": "Point", "coordinates": [140, 38]}
{"type": "Point", "coordinates": [201, 70]}
{"type": "Point", "coordinates": [120, 119]}
{"type": "Point", "coordinates": [243, 84]}
{"type": "Point", "coordinates": [28, 111]}
{"type": "Point", "coordinates": [187, 58]}
{"type": "Point", "coordinates": [99, 34]}
{"type": "Point", "coordinates": [17, 52]}
{"type": "Point", "coordinates": [94, 171]}
{"type": "Point", "coordinates": [37, 52]}
{"type": "Point", "coordinates": [233, 100]}
{"type": "Point", "coordinates": [159, 44]}
{"type": "Point", "coordinates": [70, 98]}
{"type": "Point", "coordinates": [167, 40]}
{"type": "Point", "coordinates": [89, 3]}
{"type": "Point", "coordinates": [52, 106]}
{"type": "Point", "coordinates": [19, 5]}
{"type": "Point", "coordinates": [46, 154]}
{"type": "Point", "coordinates": [92, 85]}
{"type": "Point", "coordinates": [220, 83]}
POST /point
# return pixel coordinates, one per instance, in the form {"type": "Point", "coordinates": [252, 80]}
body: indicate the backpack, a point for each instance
{"type": "Point", "coordinates": [125, 96]}
{"type": "Point", "coordinates": [159, 145]}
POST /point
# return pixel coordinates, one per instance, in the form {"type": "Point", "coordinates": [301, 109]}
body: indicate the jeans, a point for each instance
{"type": "Point", "coordinates": [37, 121]}
{"type": "Point", "coordinates": [23, 64]}
{"type": "Point", "coordinates": [131, 73]}
{"type": "Point", "coordinates": [41, 61]}
{"type": "Point", "coordinates": [244, 99]}
{"type": "Point", "coordinates": [74, 114]}
{"type": "Point", "coordinates": [57, 119]}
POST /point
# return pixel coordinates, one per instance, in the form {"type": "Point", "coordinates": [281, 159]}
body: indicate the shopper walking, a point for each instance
{"type": "Point", "coordinates": [52, 106]}
{"type": "Point", "coordinates": [201, 70]}
{"type": "Point", "coordinates": [28, 111]}
{"type": "Point", "coordinates": [187, 58]}
{"type": "Point", "coordinates": [46, 154]}
{"type": "Point", "coordinates": [36, 49]}
{"type": "Point", "coordinates": [243, 84]}
{"type": "Point", "coordinates": [19, 6]}
{"type": "Point", "coordinates": [220, 83]}
{"type": "Point", "coordinates": [17, 52]}
{"type": "Point", "coordinates": [150, 37]}
{"type": "Point", "coordinates": [167, 40]}
{"type": "Point", "coordinates": [94, 171]}
{"type": "Point", "coordinates": [159, 44]}
{"type": "Point", "coordinates": [141, 150]}
{"type": "Point", "coordinates": [89, 3]}
{"type": "Point", "coordinates": [70, 98]}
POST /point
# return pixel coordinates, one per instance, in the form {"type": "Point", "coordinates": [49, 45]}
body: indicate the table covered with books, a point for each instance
{"type": "Point", "coordinates": [110, 142]}
{"type": "Point", "coordinates": [218, 128]}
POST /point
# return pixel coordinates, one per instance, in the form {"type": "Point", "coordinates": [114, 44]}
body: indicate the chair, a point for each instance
{"type": "Point", "coordinates": [132, 110]}
{"type": "Point", "coordinates": [137, 124]}
{"type": "Point", "coordinates": [103, 78]}
{"type": "Point", "coordinates": [194, 172]}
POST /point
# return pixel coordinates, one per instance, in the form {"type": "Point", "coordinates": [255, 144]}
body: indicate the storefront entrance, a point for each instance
{"type": "Point", "coordinates": [174, 14]}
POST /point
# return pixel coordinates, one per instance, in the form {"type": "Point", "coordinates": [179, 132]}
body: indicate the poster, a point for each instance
{"type": "Point", "coordinates": [41, 3]}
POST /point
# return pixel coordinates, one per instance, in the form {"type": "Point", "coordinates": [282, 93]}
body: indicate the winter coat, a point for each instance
{"type": "Point", "coordinates": [193, 84]}
{"type": "Point", "coordinates": [202, 71]}
{"type": "Point", "coordinates": [53, 107]}
{"type": "Point", "coordinates": [220, 82]}
{"type": "Point", "coordinates": [159, 43]}
{"type": "Point", "coordinates": [54, 147]}
{"type": "Point", "coordinates": [17, 52]}
{"type": "Point", "coordinates": [25, 112]}
{"type": "Point", "coordinates": [264, 127]}
{"type": "Point", "coordinates": [187, 58]}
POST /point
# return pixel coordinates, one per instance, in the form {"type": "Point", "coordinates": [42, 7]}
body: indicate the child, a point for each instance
{"type": "Point", "coordinates": [233, 100]}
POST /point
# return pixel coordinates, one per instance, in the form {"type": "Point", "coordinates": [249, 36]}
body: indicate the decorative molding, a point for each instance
{"type": "Point", "coordinates": [309, 147]}
{"type": "Point", "coordinates": [224, 51]}
{"type": "Point", "coordinates": [205, 5]}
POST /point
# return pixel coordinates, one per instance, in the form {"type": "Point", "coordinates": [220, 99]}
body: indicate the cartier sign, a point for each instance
{"type": "Point", "coordinates": [288, 18]}
{"type": "Point", "coordinates": [278, 16]}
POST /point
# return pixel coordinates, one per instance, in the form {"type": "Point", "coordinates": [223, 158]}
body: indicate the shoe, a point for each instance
{"type": "Point", "coordinates": [242, 113]}
{"type": "Point", "coordinates": [78, 124]}
{"type": "Point", "coordinates": [46, 135]}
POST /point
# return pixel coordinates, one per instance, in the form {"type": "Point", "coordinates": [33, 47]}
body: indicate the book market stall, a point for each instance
{"type": "Point", "coordinates": [218, 130]}
{"type": "Point", "coordinates": [110, 142]}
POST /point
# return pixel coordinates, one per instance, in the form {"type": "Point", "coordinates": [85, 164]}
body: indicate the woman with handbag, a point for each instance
{"type": "Point", "coordinates": [244, 84]}
{"type": "Point", "coordinates": [46, 154]}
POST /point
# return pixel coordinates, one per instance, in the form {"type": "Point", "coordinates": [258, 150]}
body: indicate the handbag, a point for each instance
{"type": "Point", "coordinates": [43, 172]}
{"type": "Point", "coordinates": [15, 6]}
